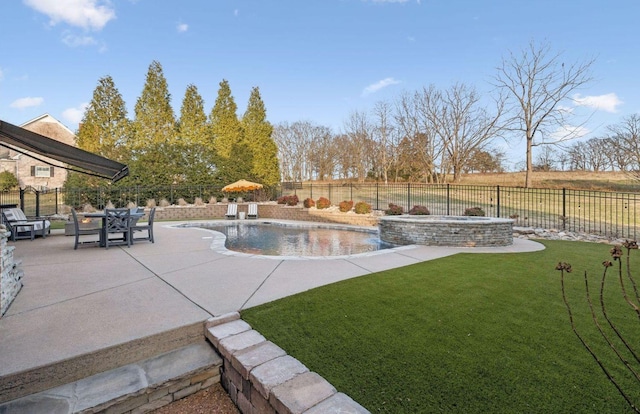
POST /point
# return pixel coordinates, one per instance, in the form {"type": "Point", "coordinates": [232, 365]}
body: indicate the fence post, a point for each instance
{"type": "Point", "coordinates": [350, 191]}
{"type": "Point", "coordinates": [377, 195]}
{"type": "Point", "coordinates": [37, 203]}
{"type": "Point", "coordinates": [498, 201]}
{"type": "Point", "coordinates": [22, 199]}
{"type": "Point", "coordinates": [56, 201]}
{"type": "Point", "coordinates": [311, 191]}
{"type": "Point", "coordinates": [564, 208]}
{"type": "Point", "coordinates": [448, 202]}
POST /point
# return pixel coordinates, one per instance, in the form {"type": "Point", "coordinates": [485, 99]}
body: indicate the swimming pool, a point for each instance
{"type": "Point", "coordinates": [280, 239]}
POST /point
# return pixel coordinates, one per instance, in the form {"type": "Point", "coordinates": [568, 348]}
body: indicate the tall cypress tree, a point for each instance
{"type": "Point", "coordinates": [233, 156]}
{"type": "Point", "coordinates": [104, 130]}
{"type": "Point", "coordinates": [257, 134]}
{"type": "Point", "coordinates": [155, 159]}
{"type": "Point", "coordinates": [196, 146]}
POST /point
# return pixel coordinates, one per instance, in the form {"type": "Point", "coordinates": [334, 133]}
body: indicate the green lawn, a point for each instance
{"type": "Point", "coordinates": [469, 333]}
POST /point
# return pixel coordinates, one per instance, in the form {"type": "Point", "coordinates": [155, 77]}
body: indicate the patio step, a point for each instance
{"type": "Point", "coordinates": [142, 386]}
{"type": "Point", "coordinates": [40, 378]}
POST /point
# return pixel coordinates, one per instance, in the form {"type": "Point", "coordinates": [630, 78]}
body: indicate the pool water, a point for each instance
{"type": "Point", "coordinates": [273, 239]}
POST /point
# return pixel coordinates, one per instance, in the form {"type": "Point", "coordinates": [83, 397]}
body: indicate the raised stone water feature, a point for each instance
{"type": "Point", "coordinates": [455, 231]}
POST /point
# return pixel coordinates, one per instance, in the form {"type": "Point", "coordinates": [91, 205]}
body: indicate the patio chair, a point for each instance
{"type": "Point", "coordinates": [88, 231]}
{"type": "Point", "coordinates": [117, 221]}
{"type": "Point", "coordinates": [148, 227]}
{"type": "Point", "coordinates": [232, 211]}
{"type": "Point", "coordinates": [253, 211]}
{"type": "Point", "coordinates": [23, 227]}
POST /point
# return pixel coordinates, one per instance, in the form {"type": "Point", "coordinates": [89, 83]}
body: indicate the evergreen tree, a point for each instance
{"type": "Point", "coordinates": [155, 152]}
{"type": "Point", "coordinates": [197, 150]}
{"type": "Point", "coordinates": [228, 140]}
{"type": "Point", "coordinates": [104, 130]}
{"type": "Point", "coordinates": [257, 134]}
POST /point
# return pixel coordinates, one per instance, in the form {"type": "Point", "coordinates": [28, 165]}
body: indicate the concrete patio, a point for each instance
{"type": "Point", "coordinates": [86, 311]}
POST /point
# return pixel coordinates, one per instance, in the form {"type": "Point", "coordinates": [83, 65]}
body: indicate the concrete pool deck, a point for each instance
{"type": "Point", "coordinates": [77, 303]}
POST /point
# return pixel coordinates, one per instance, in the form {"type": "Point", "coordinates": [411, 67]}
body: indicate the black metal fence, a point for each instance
{"type": "Point", "coordinates": [611, 214]}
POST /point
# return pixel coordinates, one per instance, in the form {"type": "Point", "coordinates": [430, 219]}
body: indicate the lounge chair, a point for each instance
{"type": "Point", "coordinates": [253, 211]}
{"type": "Point", "coordinates": [148, 227]}
{"type": "Point", "coordinates": [91, 231]}
{"type": "Point", "coordinates": [22, 227]}
{"type": "Point", "coordinates": [232, 211]}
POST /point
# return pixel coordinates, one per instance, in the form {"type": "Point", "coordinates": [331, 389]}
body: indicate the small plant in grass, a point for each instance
{"type": "Point", "coordinates": [474, 212]}
{"type": "Point", "coordinates": [615, 338]}
{"type": "Point", "coordinates": [308, 202]}
{"type": "Point", "coordinates": [419, 211]}
{"type": "Point", "coordinates": [323, 203]}
{"type": "Point", "coordinates": [394, 210]}
{"type": "Point", "coordinates": [362, 208]}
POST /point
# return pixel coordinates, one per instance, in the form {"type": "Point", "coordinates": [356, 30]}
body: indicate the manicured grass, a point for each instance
{"type": "Point", "coordinates": [469, 333]}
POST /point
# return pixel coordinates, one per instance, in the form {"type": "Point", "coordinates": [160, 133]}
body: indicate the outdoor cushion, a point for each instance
{"type": "Point", "coordinates": [17, 216]}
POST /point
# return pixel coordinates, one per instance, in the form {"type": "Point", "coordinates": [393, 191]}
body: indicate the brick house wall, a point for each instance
{"type": "Point", "coordinates": [31, 172]}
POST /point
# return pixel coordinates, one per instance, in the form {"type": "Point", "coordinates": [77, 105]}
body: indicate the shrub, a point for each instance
{"type": "Point", "coordinates": [213, 200]}
{"type": "Point", "coordinates": [282, 200]}
{"type": "Point", "coordinates": [323, 203]}
{"type": "Point", "coordinates": [362, 208]}
{"type": "Point", "coordinates": [151, 203]}
{"type": "Point", "coordinates": [290, 200]}
{"type": "Point", "coordinates": [164, 203]}
{"type": "Point", "coordinates": [346, 206]}
{"type": "Point", "coordinates": [8, 181]}
{"type": "Point", "coordinates": [394, 210]}
{"type": "Point", "coordinates": [198, 201]}
{"type": "Point", "coordinates": [474, 211]}
{"type": "Point", "coordinates": [308, 203]}
{"type": "Point", "coordinates": [182, 202]}
{"type": "Point", "coordinates": [419, 211]}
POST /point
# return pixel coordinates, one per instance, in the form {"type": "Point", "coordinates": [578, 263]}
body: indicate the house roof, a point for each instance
{"type": "Point", "coordinates": [12, 136]}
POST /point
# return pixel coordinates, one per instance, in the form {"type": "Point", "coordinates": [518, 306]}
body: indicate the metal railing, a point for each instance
{"type": "Point", "coordinates": [611, 214]}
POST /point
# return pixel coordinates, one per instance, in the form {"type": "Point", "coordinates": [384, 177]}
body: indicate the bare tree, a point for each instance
{"type": "Point", "coordinates": [412, 117]}
{"type": "Point", "coordinates": [463, 125]}
{"type": "Point", "coordinates": [359, 132]}
{"type": "Point", "coordinates": [626, 140]}
{"type": "Point", "coordinates": [386, 137]}
{"type": "Point", "coordinates": [294, 143]}
{"type": "Point", "coordinates": [537, 82]}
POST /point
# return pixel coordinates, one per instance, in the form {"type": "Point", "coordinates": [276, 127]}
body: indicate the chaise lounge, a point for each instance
{"type": "Point", "coordinates": [22, 227]}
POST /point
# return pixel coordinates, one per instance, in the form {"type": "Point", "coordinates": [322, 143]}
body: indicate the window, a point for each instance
{"type": "Point", "coordinates": [41, 171]}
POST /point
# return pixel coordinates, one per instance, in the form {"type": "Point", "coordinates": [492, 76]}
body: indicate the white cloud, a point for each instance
{"type": "Point", "coordinates": [607, 103]}
{"type": "Point", "coordinates": [568, 132]}
{"type": "Point", "coordinates": [74, 115]}
{"type": "Point", "coordinates": [29, 102]}
{"type": "Point", "coordinates": [182, 27]}
{"type": "Point", "coordinates": [375, 87]}
{"type": "Point", "coordinates": [72, 40]}
{"type": "Point", "coordinates": [87, 14]}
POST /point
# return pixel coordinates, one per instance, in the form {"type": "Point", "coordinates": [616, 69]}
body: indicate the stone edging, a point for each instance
{"type": "Point", "coordinates": [261, 378]}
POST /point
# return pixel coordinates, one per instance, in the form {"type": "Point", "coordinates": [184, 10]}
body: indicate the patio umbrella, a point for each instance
{"type": "Point", "coordinates": [240, 186]}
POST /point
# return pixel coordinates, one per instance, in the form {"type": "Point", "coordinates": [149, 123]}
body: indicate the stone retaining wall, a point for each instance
{"type": "Point", "coordinates": [261, 378]}
{"type": "Point", "coordinates": [10, 273]}
{"type": "Point", "coordinates": [266, 210]}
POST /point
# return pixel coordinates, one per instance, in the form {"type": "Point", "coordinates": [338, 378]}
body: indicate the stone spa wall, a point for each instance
{"type": "Point", "coordinates": [453, 231]}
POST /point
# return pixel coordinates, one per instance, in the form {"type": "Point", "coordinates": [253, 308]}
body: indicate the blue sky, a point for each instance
{"type": "Point", "coordinates": [313, 60]}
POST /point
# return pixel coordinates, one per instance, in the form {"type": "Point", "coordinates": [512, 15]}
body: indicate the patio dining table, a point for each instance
{"type": "Point", "coordinates": [103, 215]}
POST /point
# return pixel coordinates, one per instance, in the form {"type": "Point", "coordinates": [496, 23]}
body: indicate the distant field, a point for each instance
{"type": "Point", "coordinates": [578, 180]}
